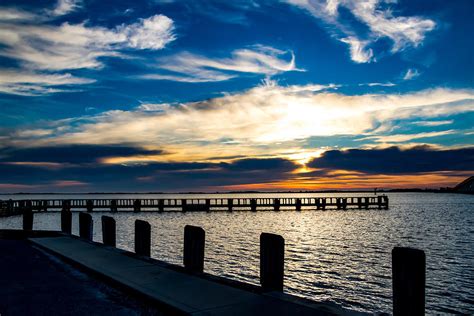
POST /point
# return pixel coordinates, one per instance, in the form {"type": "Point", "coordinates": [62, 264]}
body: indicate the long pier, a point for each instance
{"type": "Point", "coordinates": [13, 207]}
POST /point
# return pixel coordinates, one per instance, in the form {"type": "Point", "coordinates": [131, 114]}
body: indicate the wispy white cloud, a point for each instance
{"type": "Point", "coordinates": [188, 67]}
{"type": "Point", "coordinates": [15, 15]}
{"type": "Point", "coordinates": [33, 84]}
{"type": "Point", "coordinates": [64, 7]}
{"type": "Point", "coordinates": [74, 46]}
{"type": "Point", "coordinates": [377, 15]}
{"type": "Point", "coordinates": [411, 73]}
{"type": "Point", "coordinates": [433, 123]}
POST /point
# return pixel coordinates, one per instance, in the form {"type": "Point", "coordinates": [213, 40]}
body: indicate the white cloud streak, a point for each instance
{"type": "Point", "coordinates": [403, 31]}
{"type": "Point", "coordinates": [34, 84]}
{"type": "Point", "coordinates": [64, 7]}
{"type": "Point", "coordinates": [187, 67]}
{"type": "Point", "coordinates": [411, 74]}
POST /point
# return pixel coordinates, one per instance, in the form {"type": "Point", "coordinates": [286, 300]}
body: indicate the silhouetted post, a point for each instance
{"type": "Point", "coordinates": [108, 231]}
{"type": "Point", "coordinates": [142, 238]}
{"type": "Point", "coordinates": [85, 226]}
{"type": "Point", "coordinates": [276, 204]}
{"type": "Point", "coordinates": [366, 203]}
{"type": "Point", "coordinates": [183, 205]}
{"type": "Point", "coordinates": [27, 216]}
{"type": "Point", "coordinates": [298, 204]}
{"type": "Point", "coordinates": [380, 202]}
{"type": "Point", "coordinates": [385, 198]}
{"type": "Point", "coordinates": [161, 205]}
{"type": "Point", "coordinates": [272, 257]}
{"type": "Point", "coordinates": [323, 203]}
{"type": "Point", "coordinates": [137, 205]}
{"type": "Point", "coordinates": [208, 205]}
{"type": "Point", "coordinates": [230, 204]}
{"type": "Point", "coordinates": [10, 207]}
{"type": "Point", "coordinates": [89, 205]}
{"type": "Point", "coordinates": [66, 220]}
{"type": "Point", "coordinates": [44, 205]}
{"type": "Point", "coordinates": [408, 281]}
{"type": "Point", "coordinates": [193, 257]}
{"type": "Point", "coordinates": [253, 205]}
{"type": "Point", "coordinates": [113, 206]}
{"type": "Point", "coordinates": [344, 203]}
{"type": "Point", "coordinates": [318, 203]}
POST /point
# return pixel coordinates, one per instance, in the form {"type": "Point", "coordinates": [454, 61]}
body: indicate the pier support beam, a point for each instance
{"type": "Point", "coordinates": [194, 243]}
{"type": "Point", "coordinates": [276, 204]}
{"type": "Point", "coordinates": [113, 206]}
{"type": "Point", "coordinates": [272, 257]}
{"type": "Point", "coordinates": [137, 206]}
{"type": "Point", "coordinates": [66, 221]}
{"type": "Point", "coordinates": [408, 281]}
{"type": "Point", "coordinates": [27, 216]}
{"type": "Point", "coordinates": [142, 238]}
{"type": "Point", "coordinates": [108, 231]}
{"type": "Point", "coordinates": [89, 205]}
{"type": "Point", "coordinates": [298, 204]}
{"type": "Point", "coordinates": [85, 226]}
{"type": "Point", "coordinates": [161, 205]}
{"type": "Point", "coordinates": [253, 205]}
{"type": "Point", "coordinates": [230, 204]}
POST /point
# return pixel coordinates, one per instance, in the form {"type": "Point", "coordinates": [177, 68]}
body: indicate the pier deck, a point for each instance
{"type": "Point", "coordinates": [12, 207]}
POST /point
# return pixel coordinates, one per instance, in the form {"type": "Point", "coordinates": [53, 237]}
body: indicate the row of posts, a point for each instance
{"type": "Point", "coordinates": [408, 264]}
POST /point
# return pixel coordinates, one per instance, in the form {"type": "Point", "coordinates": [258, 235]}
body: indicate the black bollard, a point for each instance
{"type": "Point", "coordinates": [108, 231]}
{"type": "Point", "coordinates": [298, 204]}
{"type": "Point", "coordinates": [85, 226]}
{"type": "Point", "coordinates": [194, 240]}
{"type": "Point", "coordinates": [276, 204]}
{"type": "Point", "coordinates": [28, 216]}
{"type": "Point", "coordinates": [272, 257]}
{"type": "Point", "coordinates": [66, 221]}
{"type": "Point", "coordinates": [161, 205]}
{"type": "Point", "coordinates": [253, 205]}
{"type": "Point", "coordinates": [230, 203]}
{"type": "Point", "coordinates": [408, 281]}
{"type": "Point", "coordinates": [142, 238]}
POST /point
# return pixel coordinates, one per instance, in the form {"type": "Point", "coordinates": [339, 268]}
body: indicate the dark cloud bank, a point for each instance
{"type": "Point", "coordinates": [81, 163]}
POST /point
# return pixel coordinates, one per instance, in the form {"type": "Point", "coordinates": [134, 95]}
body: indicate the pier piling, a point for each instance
{"type": "Point", "coordinates": [113, 206]}
{"type": "Point", "coordinates": [272, 257]}
{"type": "Point", "coordinates": [408, 281]}
{"type": "Point", "coordinates": [27, 216]}
{"type": "Point", "coordinates": [85, 226]}
{"type": "Point", "coordinates": [66, 221]}
{"type": "Point", "coordinates": [137, 206]}
{"type": "Point", "coordinates": [89, 205]}
{"type": "Point", "coordinates": [108, 231]}
{"type": "Point", "coordinates": [194, 243]}
{"type": "Point", "coordinates": [142, 238]}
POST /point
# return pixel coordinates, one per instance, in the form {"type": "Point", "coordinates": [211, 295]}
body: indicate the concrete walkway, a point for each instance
{"type": "Point", "coordinates": [33, 282]}
{"type": "Point", "coordinates": [178, 291]}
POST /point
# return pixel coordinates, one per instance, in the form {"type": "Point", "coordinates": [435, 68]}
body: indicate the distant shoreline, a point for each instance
{"type": "Point", "coordinates": [412, 190]}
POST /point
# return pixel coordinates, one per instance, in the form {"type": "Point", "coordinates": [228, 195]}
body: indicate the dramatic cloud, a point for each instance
{"type": "Point", "coordinates": [394, 160]}
{"type": "Point", "coordinates": [187, 67]}
{"type": "Point", "coordinates": [266, 120]}
{"type": "Point", "coordinates": [377, 16]}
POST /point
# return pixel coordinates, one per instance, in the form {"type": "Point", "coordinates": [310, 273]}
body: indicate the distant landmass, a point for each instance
{"type": "Point", "coordinates": [467, 186]}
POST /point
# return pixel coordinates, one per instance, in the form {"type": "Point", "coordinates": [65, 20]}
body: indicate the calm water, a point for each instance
{"type": "Point", "coordinates": [338, 256]}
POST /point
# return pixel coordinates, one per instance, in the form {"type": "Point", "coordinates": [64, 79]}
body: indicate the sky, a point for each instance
{"type": "Point", "coordinates": [177, 96]}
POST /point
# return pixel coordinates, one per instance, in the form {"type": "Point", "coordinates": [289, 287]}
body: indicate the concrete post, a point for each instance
{"type": "Point", "coordinates": [66, 221]}
{"type": "Point", "coordinates": [408, 281]}
{"type": "Point", "coordinates": [193, 257]}
{"type": "Point", "coordinates": [142, 238]}
{"type": "Point", "coordinates": [253, 205]}
{"type": "Point", "coordinates": [272, 257]}
{"type": "Point", "coordinates": [137, 206]}
{"type": "Point", "coordinates": [85, 226]}
{"type": "Point", "coordinates": [28, 216]}
{"type": "Point", "coordinates": [298, 204]}
{"type": "Point", "coordinates": [108, 231]}
{"type": "Point", "coordinates": [113, 206]}
{"type": "Point", "coordinates": [89, 205]}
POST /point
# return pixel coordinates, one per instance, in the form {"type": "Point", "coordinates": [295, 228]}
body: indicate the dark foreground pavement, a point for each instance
{"type": "Point", "coordinates": [35, 283]}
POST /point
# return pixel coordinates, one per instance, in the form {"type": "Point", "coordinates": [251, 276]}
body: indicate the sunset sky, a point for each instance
{"type": "Point", "coordinates": [150, 95]}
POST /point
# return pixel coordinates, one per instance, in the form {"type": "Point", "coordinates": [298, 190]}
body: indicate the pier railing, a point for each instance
{"type": "Point", "coordinates": [12, 207]}
{"type": "Point", "coordinates": [408, 264]}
